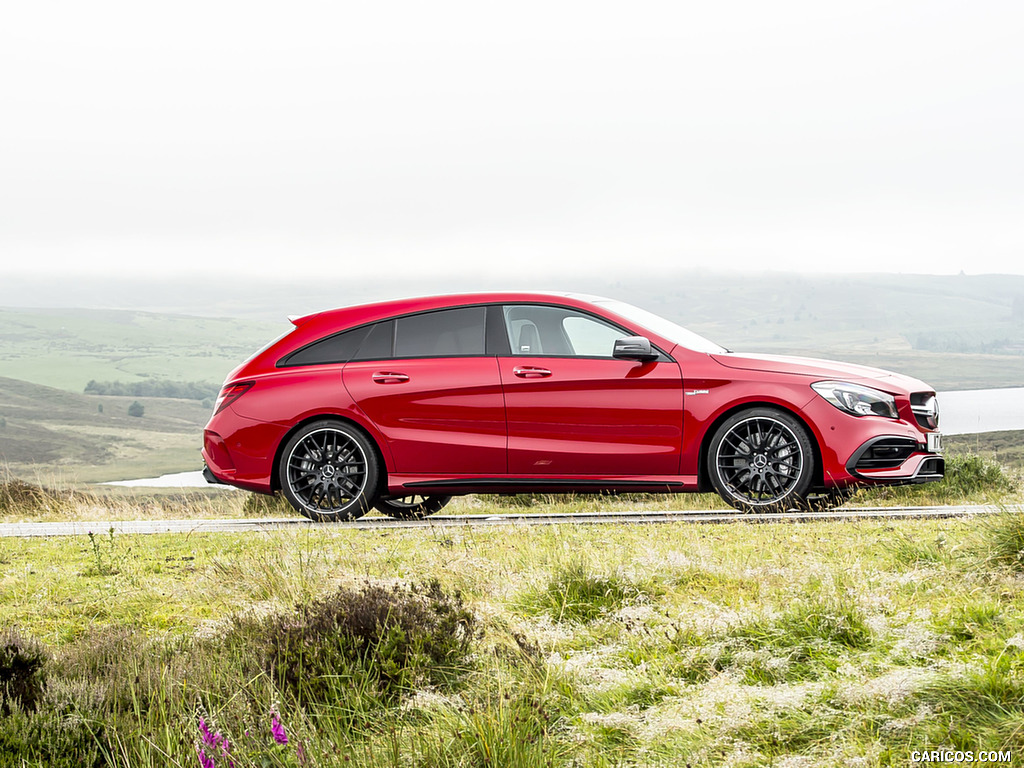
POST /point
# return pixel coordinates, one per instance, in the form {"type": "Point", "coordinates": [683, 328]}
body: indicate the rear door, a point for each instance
{"type": "Point", "coordinates": [573, 409]}
{"type": "Point", "coordinates": [433, 393]}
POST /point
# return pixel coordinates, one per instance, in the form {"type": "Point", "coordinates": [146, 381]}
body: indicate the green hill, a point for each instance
{"type": "Point", "coordinates": [50, 434]}
{"type": "Point", "coordinates": [67, 348]}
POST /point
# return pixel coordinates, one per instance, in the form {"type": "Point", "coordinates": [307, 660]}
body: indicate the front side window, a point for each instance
{"type": "Point", "coordinates": [447, 333]}
{"type": "Point", "coordinates": [560, 332]}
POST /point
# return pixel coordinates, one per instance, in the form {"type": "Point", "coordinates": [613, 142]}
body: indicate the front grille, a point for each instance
{"type": "Point", "coordinates": [887, 453]}
{"type": "Point", "coordinates": [926, 409]}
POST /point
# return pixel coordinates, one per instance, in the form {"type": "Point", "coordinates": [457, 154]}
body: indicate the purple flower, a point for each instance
{"type": "Point", "coordinates": [209, 739]}
{"type": "Point", "coordinates": [277, 729]}
{"type": "Point", "coordinates": [215, 742]}
{"type": "Point", "coordinates": [204, 761]}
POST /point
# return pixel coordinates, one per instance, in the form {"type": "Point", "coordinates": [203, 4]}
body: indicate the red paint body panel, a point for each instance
{"type": "Point", "coordinates": [448, 416]}
{"type": "Point", "coordinates": [592, 424]}
{"type": "Point", "coordinates": [593, 417]}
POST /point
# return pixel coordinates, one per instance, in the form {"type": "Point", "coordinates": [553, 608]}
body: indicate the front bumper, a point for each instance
{"type": "Point", "coordinates": [894, 460]}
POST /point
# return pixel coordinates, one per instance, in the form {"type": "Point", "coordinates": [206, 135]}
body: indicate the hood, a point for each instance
{"type": "Point", "coordinates": [824, 369]}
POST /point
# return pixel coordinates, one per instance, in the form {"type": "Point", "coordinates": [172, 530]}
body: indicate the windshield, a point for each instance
{"type": "Point", "coordinates": [662, 327]}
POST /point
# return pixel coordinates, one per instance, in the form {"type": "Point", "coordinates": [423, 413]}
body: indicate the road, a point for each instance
{"type": "Point", "coordinates": [80, 528]}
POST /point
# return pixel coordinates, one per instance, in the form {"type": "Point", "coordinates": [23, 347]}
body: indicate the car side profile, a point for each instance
{"type": "Point", "coordinates": [400, 405]}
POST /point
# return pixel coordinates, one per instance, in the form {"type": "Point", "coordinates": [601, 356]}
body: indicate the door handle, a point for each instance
{"type": "Point", "coordinates": [530, 372]}
{"type": "Point", "coordinates": [390, 377]}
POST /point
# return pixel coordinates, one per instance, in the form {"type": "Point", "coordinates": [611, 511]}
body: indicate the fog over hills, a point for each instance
{"type": "Point", "coordinates": [979, 313]}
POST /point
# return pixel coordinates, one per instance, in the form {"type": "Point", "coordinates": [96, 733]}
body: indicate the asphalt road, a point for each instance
{"type": "Point", "coordinates": [78, 528]}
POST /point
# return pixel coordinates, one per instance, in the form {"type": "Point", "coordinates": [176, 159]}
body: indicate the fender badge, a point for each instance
{"type": "Point", "coordinates": [698, 391]}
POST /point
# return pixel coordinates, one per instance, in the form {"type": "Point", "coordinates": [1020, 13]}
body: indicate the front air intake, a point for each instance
{"type": "Point", "coordinates": [886, 453]}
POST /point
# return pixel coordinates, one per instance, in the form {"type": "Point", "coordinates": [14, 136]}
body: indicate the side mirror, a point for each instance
{"type": "Point", "coordinates": [634, 348]}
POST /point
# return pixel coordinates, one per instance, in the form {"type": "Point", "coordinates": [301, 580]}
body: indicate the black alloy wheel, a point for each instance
{"type": "Point", "coordinates": [329, 472]}
{"type": "Point", "coordinates": [761, 460]}
{"type": "Point", "coordinates": [411, 507]}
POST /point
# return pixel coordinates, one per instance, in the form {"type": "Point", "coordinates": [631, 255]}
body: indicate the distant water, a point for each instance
{"type": "Point", "coordinates": [960, 413]}
{"type": "Point", "coordinates": [981, 410]}
{"type": "Point", "coordinates": [177, 480]}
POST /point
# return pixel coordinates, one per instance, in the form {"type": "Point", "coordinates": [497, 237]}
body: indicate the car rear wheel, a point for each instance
{"type": "Point", "coordinates": [761, 460]}
{"type": "Point", "coordinates": [411, 507]}
{"type": "Point", "coordinates": [329, 472]}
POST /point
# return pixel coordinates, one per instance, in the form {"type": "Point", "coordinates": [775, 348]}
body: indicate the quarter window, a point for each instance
{"type": "Point", "coordinates": [338, 348]}
{"type": "Point", "coordinates": [448, 333]}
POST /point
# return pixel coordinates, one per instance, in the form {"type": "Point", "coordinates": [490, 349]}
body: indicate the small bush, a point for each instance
{"type": "Point", "coordinates": [906, 550]}
{"type": "Point", "coordinates": [575, 594]}
{"type": "Point", "coordinates": [19, 496]}
{"type": "Point", "coordinates": [22, 671]}
{"type": "Point", "coordinates": [833, 621]}
{"type": "Point", "coordinates": [970, 474]}
{"type": "Point", "coordinates": [808, 639]}
{"type": "Point", "coordinates": [1004, 537]}
{"type": "Point", "coordinates": [136, 409]}
{"type": "Point", "coordinates": [387, 639]}
{"type": "Point", "coordinates": [980, 708]}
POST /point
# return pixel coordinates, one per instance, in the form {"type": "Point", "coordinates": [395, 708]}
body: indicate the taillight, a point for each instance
{"type": "Point", "coordinates": [229, 393]}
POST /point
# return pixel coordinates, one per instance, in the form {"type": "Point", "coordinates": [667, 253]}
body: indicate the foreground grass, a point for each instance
{"type": "Point", "coordinates": [819, 644]}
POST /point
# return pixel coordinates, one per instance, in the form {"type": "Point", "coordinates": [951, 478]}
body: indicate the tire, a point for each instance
{"type": "Point", "coordinates": [411, 507]}
{"type": "Point", "coordinates": [329, 471]}
{"type": "Point", "coordinates": [761, 460]}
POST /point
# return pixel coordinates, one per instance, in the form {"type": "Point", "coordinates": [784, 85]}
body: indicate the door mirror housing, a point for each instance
{"type": "Point", "coordinates": [634, 348]}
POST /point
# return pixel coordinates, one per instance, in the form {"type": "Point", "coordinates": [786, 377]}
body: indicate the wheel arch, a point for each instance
{"type": "Point", "coordinates": [704, 477]}
{"type": "Point", "coordinates": [275, 473]}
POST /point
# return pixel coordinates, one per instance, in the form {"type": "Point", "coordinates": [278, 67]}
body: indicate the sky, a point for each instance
{"type": "Point", "coordinates": [322, 141]}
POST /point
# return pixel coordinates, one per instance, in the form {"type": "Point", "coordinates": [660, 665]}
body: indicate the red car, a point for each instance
{"type": "Point", "coordinates": [402, 404]}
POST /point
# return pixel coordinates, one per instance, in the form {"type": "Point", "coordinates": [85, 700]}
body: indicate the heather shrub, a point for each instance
{"type": "Point", "coordinates": [378, 639]}
{"type": "Point", "coordinates": [22, 671]}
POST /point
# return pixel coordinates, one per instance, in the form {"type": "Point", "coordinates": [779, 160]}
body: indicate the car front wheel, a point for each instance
{"type": "Point", "coordinates": [329, 472]}
{"type": "Point", "coordinates": [761, 460]}
{"type": "Point", "coordinates": [411, 507]}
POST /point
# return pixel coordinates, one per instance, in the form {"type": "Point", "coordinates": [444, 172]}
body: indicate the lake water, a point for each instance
{"type": "Point", "coordinates": [981, 410]}
{"type": "Point", "coordinates": [960, 413]}
{"type": "Point", "coordinates": [177, 480]}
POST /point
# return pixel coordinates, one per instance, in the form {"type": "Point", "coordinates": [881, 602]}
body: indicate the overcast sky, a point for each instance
{"type": "Point", "coordinates": [404, 138]}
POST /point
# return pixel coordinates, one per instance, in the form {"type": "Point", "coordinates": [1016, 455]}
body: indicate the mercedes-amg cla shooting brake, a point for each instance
{"type": "Point", "coordinates": [401, 405]}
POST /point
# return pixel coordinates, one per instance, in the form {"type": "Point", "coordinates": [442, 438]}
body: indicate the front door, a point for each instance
{"type": "Point", "coordinates": [573, 409]}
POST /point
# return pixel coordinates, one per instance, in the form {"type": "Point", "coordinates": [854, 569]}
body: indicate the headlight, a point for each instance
{"type": "Point", "coordinates": [856, 399]}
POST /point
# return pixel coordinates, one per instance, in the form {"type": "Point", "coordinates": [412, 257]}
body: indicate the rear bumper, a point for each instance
{"type": "Point", "coordinates": [210, 477]}
{"type": "Point", "coordinates": [239, 451]}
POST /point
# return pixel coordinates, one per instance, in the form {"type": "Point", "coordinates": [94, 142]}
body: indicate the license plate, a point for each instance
{"type": "Point", "coordinates": [935, 442]}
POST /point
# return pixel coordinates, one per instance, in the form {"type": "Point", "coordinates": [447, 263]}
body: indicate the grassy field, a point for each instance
{"type": "Point", "coordinates": [842, 644]}
{"type": "Point", "coordinates": [51, 435]}
{"type": "Point", "coordinates": [67, 348]}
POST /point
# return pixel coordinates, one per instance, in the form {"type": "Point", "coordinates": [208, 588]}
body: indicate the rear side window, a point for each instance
{"type": "Point", "coordinates": [448, 333]}
{"type": "Point", "coordinates": [339, 348]}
